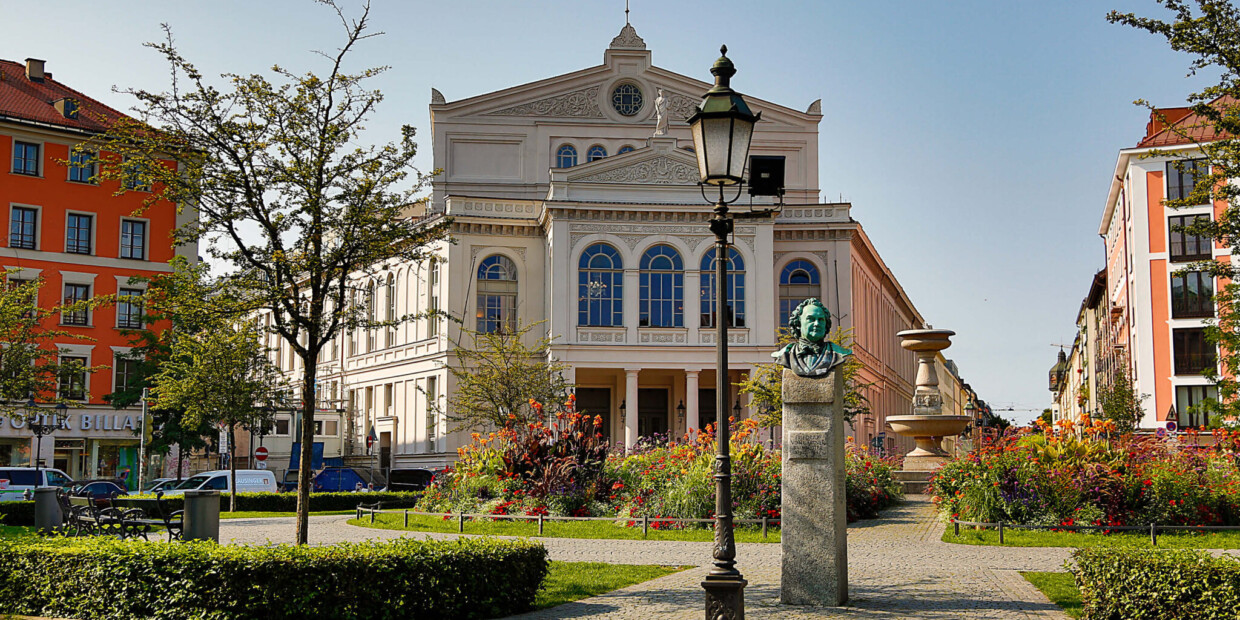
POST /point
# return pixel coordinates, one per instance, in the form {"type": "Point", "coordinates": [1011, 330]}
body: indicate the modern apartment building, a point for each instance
{"type": "Point", "coordinates": [84, 241]}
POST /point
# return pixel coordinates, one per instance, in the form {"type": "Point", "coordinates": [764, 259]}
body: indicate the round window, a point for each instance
{"type": "Point", "coordinates": [627, 99]}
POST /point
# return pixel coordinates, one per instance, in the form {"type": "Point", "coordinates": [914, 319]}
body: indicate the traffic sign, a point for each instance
{"type": "Point", "coordinates": [260, 465]}
{"type": "Point", "coordinates": [260, 454]}
{"type": "Point", "coordinates": [1171, 426]}
{"type": "Point", "coordinates": [1160, 433]}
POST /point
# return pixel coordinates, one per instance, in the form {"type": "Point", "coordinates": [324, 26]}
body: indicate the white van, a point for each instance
{"type": "Point", "coordinates": [15, 481]}
{"type": "Point", "coordinates": [248, 481]}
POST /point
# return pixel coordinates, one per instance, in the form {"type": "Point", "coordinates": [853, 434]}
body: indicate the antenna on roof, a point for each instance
{"type": "Point", "coordinates": [626, 12]}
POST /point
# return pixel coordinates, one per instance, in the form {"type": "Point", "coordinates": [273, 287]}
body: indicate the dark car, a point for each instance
{"type": "Point", "coordinates": [102, 491]}
{"type": "Point", "coordinates": [412, 479]}
{"type": "Point", "coordinates": [344, 479]}
{"type": "Point", "coordinates": [289, 484]}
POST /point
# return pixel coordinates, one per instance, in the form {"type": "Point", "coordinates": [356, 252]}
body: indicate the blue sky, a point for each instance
{"type": "Point", "coordinates": [975, 139]}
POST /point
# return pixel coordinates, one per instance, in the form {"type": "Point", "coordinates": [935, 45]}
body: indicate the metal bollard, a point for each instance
{"type": "Point", "coordinates": [1153, 535]}
{"type": "Point", "coordinates": [764, 522]}
{"type": "Point", "coordinates": [460, 522]}
{"type": "Point", "coordinates": [202, 516]}
{"type": "Point", "coordinates": [956, 524]}
{"type": "Point", "coordinates": [372, 515]}
{"type": "Point", "coordinates": [406, 518]}
{"type": "Point", "coordinates": [645, 525]}
{"type": "Point", "coordinates": [1001, 532]}
{"type": "Point", "coordinates": [47, 515]}
{"type": "Point", "coordinates": [540, 525]}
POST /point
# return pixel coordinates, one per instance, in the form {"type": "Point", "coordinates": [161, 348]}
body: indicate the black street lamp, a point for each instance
{"type": "Point", "coordinates": [39, 426]}
{"type": "Point", "coordinates": [722, 127]}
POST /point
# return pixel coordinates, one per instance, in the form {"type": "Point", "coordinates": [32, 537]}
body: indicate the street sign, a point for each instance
{"type": "Point", "coordinates": [1172, 426]}
{"type": "Point", "coordinates": [260, 465]}
{"type": "Point", "coordinates": [260, 454]}
{"type": "Point", "coordinates": [1160, 433]}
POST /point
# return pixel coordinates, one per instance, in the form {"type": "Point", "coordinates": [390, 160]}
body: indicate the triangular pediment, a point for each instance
{"type": "Point", "coordinates": [660, 163]}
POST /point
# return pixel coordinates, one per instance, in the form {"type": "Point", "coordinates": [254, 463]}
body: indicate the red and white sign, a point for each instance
{"type": "Point", "coordinates": [260, 454]}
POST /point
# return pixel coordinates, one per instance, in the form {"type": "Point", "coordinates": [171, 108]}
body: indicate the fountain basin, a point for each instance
{"type": "Point", "coordinates": [928, 432]}
{"type": "Point", "coordinates": [925, 339]}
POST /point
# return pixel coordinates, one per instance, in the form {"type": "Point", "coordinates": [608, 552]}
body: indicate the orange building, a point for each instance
{"type": "Point", "coordinates": [1156, 316]}
{"type": "Point", "coordinates": [84, 241]}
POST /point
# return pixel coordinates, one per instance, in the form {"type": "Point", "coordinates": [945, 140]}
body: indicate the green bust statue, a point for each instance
{"type": "Point", "coordinates": [812, 355]}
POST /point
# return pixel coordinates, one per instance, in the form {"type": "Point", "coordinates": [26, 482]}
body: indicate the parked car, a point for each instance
{"type": "Point", "coordinates": [15, 481]}
{"type": "Point", "coordinates": [411, 479]}
{"type": "Point", "coordinates": [248, 481]}
{"type": "Point", "coordinates": [289, 484]}
{"type": "Point", "coordinates": [101, 490]}
{"type": "Point", "coordinates": [160, 484]}
{"type": "Point", "coordinates": [344, 479]}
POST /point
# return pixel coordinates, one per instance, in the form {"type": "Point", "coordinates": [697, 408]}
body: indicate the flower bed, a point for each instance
{"type": "Point", "coordinates": [566, 469]}
{"type": "Point", "coordinates": [1048, 479]}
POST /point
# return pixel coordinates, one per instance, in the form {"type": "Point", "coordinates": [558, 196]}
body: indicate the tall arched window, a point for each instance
{"type": "Point", "coordinates": [497, 295]}
{"type": "Point", "coordinates": [798, 281]}
{"type": "Point", "coordinates": [390, 316]}
{"type": "Point", "coordinates": [596, 152]}
{"type": "Point", "coordinates": [734, 314]}
{"type": "Point", "coordinates": [600, 279]}
{"type": "Point", "coordinates": [372, 315]}
{"type": "Point", "coordinates": [566, 156]}
{"type": "Point", "coordinates": [662, 288]}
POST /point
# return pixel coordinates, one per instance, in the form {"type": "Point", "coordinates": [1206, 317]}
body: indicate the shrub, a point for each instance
{"type": "Point", "coordinates": [1139, 584]}
{"type": "Point", "coordinates": [16, 513]}
{"type": "Point", "coordinates": [105, 578]}
{"type": "Point", "coordinates": [287, 502]}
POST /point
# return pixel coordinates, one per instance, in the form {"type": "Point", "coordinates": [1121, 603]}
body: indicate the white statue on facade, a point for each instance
{"type": "Point", "coordinates": [660, 110]}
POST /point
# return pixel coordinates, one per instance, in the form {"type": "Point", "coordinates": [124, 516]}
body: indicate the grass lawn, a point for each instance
{"type": "Point", "coordinates": [15, 531]}
{"type": "Point", "coordinates": [557, 529]}
{"type": "Point", "coordinates": [253, 514]}
{"type": "Point", "coordinates": [1043, 538]}
{"type": "Point", "coordinates": [572, 581]}
{"type": "Point", "coordinates": [1059, 587]}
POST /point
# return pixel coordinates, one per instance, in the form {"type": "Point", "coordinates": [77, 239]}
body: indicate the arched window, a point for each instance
{"type": "Point", "coordinates": [735, 311]}
{"type": "Point", "coordinates": [372, 315]}
{"type": "Point", "coordinates": [497, 295]}
{"type": "Point", "coordinates": [566, 156]}
{"type": "Point", "coordinates": [662, 288]}
{"type": "Point", "coordinates": [596, 152]}
{"type": "Point", "coordinates": [600, 278]}
{"type": "Point", "coordinates": [628, 148]}
{"type": "Point", "coordinates": [798, 281]}
{"type": "Point", "coordinates": [390, 316]}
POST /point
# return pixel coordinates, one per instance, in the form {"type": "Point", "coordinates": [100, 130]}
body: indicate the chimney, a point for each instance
{"type": "Point", "coordinates": [34, 69]}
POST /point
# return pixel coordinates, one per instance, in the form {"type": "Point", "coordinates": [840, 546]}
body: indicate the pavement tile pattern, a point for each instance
{"type": "Point", "coordinates": [897, 568]}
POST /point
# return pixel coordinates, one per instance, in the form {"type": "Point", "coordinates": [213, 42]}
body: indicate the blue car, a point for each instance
{"type": "Point", "coordinates": [347, 479]}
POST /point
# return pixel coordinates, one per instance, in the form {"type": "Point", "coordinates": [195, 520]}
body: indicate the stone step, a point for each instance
{"type": "Point", "coordinates": [913, 482]}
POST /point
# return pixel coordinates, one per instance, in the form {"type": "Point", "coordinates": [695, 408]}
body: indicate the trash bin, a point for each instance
{"type": "Point", "coordinates": [201, 520]}
{"type": "Point", "coordinates": [47, 515]}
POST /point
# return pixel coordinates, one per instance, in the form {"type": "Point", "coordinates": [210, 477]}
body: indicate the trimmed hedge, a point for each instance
{"type": "Point", "coordinates": [16, 513]}
{"type": "Point", "coordinates": [404, 578]}
{"type": "Point", "coordinates": [1139, 584]}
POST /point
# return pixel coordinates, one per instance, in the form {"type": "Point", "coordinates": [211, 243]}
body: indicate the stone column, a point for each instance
{"type": "Point", "coordinates": [814, 538]}
{"type": "Point", "coordinates": [691, 400]}
{"type": "Point", "coordinates": [630, 407]}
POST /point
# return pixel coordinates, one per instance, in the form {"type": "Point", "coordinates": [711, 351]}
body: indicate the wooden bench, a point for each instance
{"type": "Point", "coordinates": [88, 517]}
{"type": "Point", "coordinates": [139, 515]}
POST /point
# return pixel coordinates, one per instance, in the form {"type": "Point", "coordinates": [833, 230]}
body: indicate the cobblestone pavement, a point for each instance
{"type": "Point", "coordinates": [897, 568]}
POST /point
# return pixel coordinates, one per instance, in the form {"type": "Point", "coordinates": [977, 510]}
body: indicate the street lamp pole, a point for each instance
{"type": "Point", "coordinates": [40, 427]}
{"type": "Point", "coordinates": [722, 127]}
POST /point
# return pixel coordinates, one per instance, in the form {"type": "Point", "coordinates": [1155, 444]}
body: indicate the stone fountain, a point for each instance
{"type": "Point", "coordinates": [928, 425]}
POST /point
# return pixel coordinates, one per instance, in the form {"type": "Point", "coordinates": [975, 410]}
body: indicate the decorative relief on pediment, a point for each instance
{"type": "Point", "coordinates": [648, 229]}
{"type": "Point", "coordinates": [628, 40]}
{"type": "Point", "coordinates": [657, 171]}
{"type": "Point", "coordinates": [679, 106]}
{"type": "Point", "coordinates": [577, 104]}
{"type": "Point", "coordinates": [437, 97]}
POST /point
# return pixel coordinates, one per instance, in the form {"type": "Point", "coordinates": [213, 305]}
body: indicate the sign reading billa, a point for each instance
{"type": "Point", "coordinates": [85, 422]}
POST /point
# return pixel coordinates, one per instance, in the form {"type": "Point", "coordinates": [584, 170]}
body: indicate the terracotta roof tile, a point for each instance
{"type": "Point", "coordinates": [1191, 129]}
{"type": "Point", "coordinates": [29, 100]}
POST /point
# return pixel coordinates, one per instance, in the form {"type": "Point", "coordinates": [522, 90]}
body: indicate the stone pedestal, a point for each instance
{"type": "Point", "coordinates": [814, 511]}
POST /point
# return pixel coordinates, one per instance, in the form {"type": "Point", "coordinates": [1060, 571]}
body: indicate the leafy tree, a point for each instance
{"type": "Point", "coordinates": [1121, 403]}
{"type": "Point", "coordinates": [220, 377]}
{"type": "Point", "coordinates": [499, 378]}
{"type": "Point", "coordinates": [30, 365]}
{"type": "Point", "coordinates": [1209, 32]}
{"type": "Point", "coordinates": [765, 385]}
{"type": "Point", "coordinates": [297, 207]}
{"type": "Point", "coordinates": [1048, 416]}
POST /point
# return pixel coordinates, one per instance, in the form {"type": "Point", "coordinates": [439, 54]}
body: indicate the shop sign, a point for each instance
{"type": "Point", "coordinates": [82, 422]}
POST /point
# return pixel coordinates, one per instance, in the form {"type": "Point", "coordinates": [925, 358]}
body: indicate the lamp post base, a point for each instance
{"type": "Point", "coordinates": [725, 597]}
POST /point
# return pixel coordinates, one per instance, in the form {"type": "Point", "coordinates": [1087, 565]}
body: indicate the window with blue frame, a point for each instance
{"type": "Point", "coordinates": [662, 288]}
{"type": "Point", "coordinates": [497, 295]}
{"type": "Point", "coordinates": [798, 281]}
{"type": "Point", "coordinates": [596, 152]}
{"type": "Point", "coordinates": [625, 149]}
{"type": "Point", "coordinates": [566, 156]}
{"type": "Point", "coordinates": [734, 312]}
{"type": "Point", "coordinates": [600, 287]}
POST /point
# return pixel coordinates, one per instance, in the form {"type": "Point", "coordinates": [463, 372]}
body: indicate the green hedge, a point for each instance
{"type": "Point", "coordinates": [1139, 584]}
{"type": "Point", "coordinates": [403, 578]}
{"type": "Point", "coordinates": [287, 502]}
{"type": "Point", "coordinates": [16, 513]}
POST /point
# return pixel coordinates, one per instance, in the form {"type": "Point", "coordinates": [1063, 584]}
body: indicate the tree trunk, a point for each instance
{"type": "Point", "coordinates": [304, 470]}
{"type": "Point", "coordinates": [180, 461]}
{"type": "Point", "coordinates": [232, 467]}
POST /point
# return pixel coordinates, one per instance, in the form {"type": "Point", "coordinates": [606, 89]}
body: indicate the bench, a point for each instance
{"type": "Point", "coordinates": [87, 516]}
{"type": "Point", "coordinates": [139, 515]}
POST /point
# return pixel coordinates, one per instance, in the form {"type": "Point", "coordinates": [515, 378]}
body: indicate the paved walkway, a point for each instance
{"type": "Point", "coordinates": [898, 568]}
